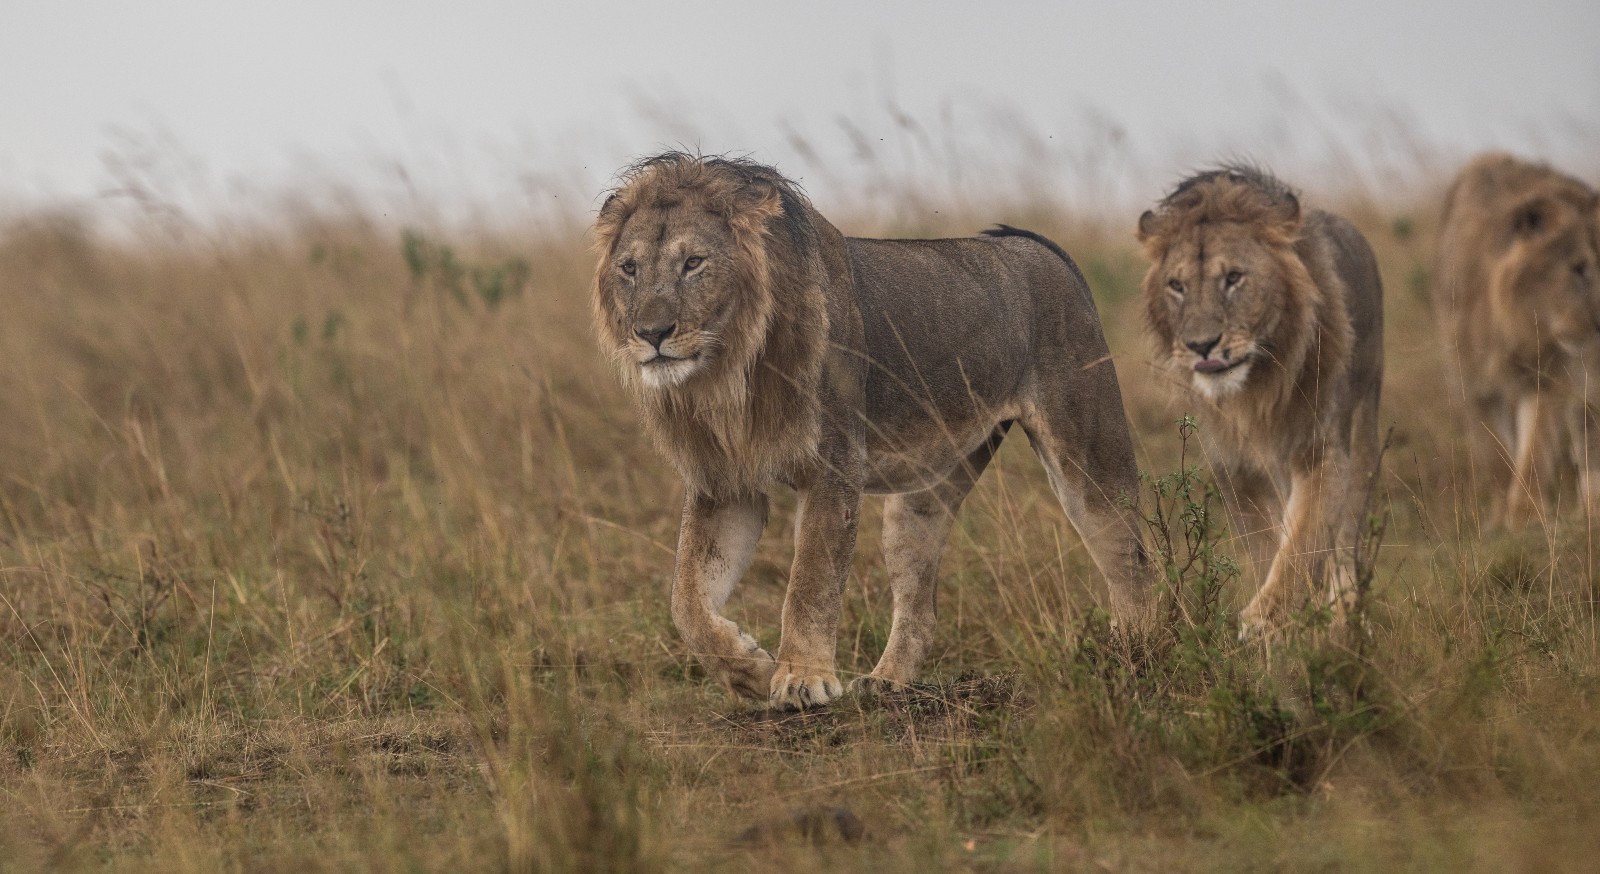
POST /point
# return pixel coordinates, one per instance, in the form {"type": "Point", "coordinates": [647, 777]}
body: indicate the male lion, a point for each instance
{"type": "Point", "coordinates": [1519, 311]}
{"type": "Point", "coordinates": [764, 347]}
{"type": "Point", "coordinates": [1274, 321]}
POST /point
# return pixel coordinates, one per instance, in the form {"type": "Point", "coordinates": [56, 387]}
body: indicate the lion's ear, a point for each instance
{"type": "Point", "coordinates": [1286, 216]}
{"type": "Point", "coordinates": [753, 205]}
{"type": "Point", "coordinates": [1147, 226]}
{"type": "Point", "coordinates": [608, 223]}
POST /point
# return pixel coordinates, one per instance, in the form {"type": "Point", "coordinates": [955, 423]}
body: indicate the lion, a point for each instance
{"type": "Point", "coordinates": [1272, 320]}
{"type": "Point", "coordinates": [764, 348]}
{"type": "Point", "coordinates": [1518, 301]}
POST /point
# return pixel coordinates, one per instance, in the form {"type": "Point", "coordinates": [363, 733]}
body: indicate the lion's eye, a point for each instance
{"type": "Point", "coordinates": [692, 263]}
{"type": "Point", "coordinates": [1581, 269]}
{"type": "Point", "coordinates": [1233, 278]}
{"type": "Point", "coordinates": [629, 268]}
{"type": "Point", "coordinates": [1175, 287]}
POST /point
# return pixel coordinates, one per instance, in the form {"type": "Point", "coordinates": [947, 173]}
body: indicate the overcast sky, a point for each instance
{"type": "Point", "coordinates": [474, 97]}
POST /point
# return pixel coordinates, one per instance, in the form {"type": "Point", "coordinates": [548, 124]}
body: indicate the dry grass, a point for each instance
{"type": "Point", "coordinates": [326, 548]}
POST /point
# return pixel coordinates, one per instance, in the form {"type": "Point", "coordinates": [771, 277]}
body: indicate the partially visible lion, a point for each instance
{"type": "Point", "coordinates": [1518, 298]}
{"type": "Point", "coordinates": [1273, 322]}
{"type": "Point", "coordinates": [765, 348]}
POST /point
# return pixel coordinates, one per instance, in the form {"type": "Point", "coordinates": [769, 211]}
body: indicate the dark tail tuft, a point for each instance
{"type": "Point", "coordinates": [1000, 230]}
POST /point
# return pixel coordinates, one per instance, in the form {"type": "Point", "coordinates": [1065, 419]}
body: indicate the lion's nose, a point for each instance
{"type": "Point", "coordinates": [1203, 348]}
{"type": "Point", "coordinates": [654, 335]}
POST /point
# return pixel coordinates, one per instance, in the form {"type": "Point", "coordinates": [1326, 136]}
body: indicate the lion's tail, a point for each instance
{"type": "Point", "coordinates": [1002, 230]}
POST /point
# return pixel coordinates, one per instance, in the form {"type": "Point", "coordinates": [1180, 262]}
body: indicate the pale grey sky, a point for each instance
{"type": "Point", "coordinates": [481, 100]}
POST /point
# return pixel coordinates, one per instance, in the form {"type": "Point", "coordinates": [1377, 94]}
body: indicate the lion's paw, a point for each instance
{"type": "Point", "coordinates": [794, 691]}
{"type": "Point", "coordinates": [1256, 626]}
{"type": "Point", "coordinates": [872, 686]}
{"type": "Point", "coordinates": [1251, 631]}
{"type": "Point", "coordinates": [749, 675]}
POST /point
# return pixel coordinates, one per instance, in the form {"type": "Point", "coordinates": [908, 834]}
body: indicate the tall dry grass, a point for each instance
{"type": "Point", "coordinates": [332, 544]}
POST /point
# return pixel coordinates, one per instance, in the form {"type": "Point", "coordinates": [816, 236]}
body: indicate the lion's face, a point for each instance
{"type": "Point", "coordinates": [671, 288]}
{"type": "Point", "coordinates": [1550, 271]}
{"type": "Point", "coordinates": [1216, 298]}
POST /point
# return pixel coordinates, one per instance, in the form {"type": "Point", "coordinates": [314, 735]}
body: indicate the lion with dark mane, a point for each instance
{"type": "Point", "coordinates": [763, 347]}
{"type": "Point", "coordinates": [1273, 321]}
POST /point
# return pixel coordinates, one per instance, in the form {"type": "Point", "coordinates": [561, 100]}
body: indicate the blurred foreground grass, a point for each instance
{"type": "Point", "coordinates": [331, 547]}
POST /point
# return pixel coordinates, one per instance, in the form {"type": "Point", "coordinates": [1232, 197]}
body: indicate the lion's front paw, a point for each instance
{"type": "Point", "coordinates": [750, 674]}
{"type": "Point", "coordinates": [1253, 630]}
{"type": "Point", "coordinates": [797, 691]}
{"type": "Point", "coordinates": [1256, 624]}
{"type": "Point", "coordinates": [871, 686]}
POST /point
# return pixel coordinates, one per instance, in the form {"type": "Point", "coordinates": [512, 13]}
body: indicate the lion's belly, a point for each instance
{"type": "Point", "coordinates": [911, 462]}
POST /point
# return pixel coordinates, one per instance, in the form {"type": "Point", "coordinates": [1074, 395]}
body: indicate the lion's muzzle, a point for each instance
{"type": "Point", "coordinates": [655, 334]}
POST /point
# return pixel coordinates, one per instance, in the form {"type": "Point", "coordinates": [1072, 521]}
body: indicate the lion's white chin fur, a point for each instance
{"type": "Point", "coordinates": [1216, 386]}
{"type": "Point", "coordinates": [667, 374]}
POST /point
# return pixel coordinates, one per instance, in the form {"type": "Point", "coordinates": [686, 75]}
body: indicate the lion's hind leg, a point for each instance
{"type": "Point", "coordinates": [1088, 456]}
{"type": "Point", "coordinates": [916, 527]}
{"type": "Point", "coordinates": [1365, 474]}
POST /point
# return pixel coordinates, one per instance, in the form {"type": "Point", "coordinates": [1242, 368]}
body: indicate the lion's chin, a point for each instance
{"type": "Point", "coordinates": [1218, 385]}
{"type": "Point", "coordinates": [663, 372]}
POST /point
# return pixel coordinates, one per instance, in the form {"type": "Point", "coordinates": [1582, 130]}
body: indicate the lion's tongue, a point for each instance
{"type": "Point", "coordinates": [1210, 365]}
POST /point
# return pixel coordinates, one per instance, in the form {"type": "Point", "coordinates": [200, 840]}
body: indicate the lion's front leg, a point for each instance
{"type": "Point", "coordinates": [1313, 548]}
{"type": "Point", "coordinates": [1530, 466]}
{"type": "Point", "coordinates": [915, 528]}
{"type": "Point", "coordinates": [825, 538]}
{"type": "Point", "coordinates": [715, 544]}
{"type": "Point", "coordinates": [1586, 457]}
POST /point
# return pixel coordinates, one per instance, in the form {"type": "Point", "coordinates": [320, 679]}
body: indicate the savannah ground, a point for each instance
{"type": "Point", "coordinates": [333, 544]}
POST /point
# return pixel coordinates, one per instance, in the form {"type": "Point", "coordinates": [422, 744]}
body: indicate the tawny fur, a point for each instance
{"type": "Point", "coordinates": [1293, 305]}
{"type": "Point", "coordinates": [1518, 299]}
{"type": "Point", "coordinates": [736, 430]}
{"type": "Point", "coordinates": [764, 348]}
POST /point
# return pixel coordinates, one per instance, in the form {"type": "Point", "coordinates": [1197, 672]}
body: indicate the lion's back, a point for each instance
{"type": "Point", "coordinates": [969, 315]}
{"type": "Point", "coordinates": [956, 329]}
{"type": "Point", "coordinates": [947, 325]}
{"type": "Point", "coordinates": [1362, 285]}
